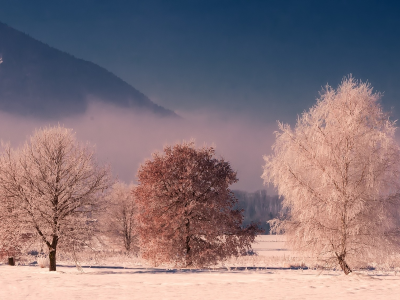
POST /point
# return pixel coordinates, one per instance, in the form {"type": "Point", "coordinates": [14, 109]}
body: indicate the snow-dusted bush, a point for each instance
{"type": "Point", "coordinates": [42, 261]}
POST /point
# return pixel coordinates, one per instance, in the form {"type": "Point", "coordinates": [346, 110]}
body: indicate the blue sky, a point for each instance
{"type": "Point", "coordinates": [266, 59]}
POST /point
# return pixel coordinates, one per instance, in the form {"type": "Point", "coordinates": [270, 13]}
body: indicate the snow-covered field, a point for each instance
{"type": "Point", "coordinates": [253, 282]}
{"type": "Point", "coordinates": [271, 245]}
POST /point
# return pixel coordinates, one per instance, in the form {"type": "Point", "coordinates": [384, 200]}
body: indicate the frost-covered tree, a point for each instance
{"type": "Point", "coordinates": [56, 183]}
{"type": "Point", "coordinates": [338, 172]}
{"type": "Point", "coordinates": [186, 210]}
{"type": "Point", "coordinates": [119, 218]}
{"type": "Point", "coordinates": [13, 234]}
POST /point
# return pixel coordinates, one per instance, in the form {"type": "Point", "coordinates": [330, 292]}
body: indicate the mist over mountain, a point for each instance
{"type": "Point", "coordinates": [41, 81]}
{"type": "Point", "coordinates": [42, 86]}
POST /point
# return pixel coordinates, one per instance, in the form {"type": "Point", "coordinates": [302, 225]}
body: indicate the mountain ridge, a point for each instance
{"type": "Point", "coordinates": [40, 80]}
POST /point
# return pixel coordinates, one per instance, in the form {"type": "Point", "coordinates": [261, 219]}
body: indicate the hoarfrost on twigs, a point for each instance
{"type": "Point", "coordinates": [339, 173]}
{"type": "Point", "coordinates": [57, 187]}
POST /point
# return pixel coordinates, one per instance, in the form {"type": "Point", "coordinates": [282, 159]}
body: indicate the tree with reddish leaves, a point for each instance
{"type": "Point", "coordinates": [186, 213]}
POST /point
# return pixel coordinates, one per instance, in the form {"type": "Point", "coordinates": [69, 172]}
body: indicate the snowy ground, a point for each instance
{"type": "Point", "coordinates": [138, 282]}
{"type": "Point", "coordinates": [271, 245]}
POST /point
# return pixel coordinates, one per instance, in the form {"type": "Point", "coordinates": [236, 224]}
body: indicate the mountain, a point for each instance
{"type": "Point", "coordinates": [38, 80]}
{"type": "Point", "coordinates": [258, 207]}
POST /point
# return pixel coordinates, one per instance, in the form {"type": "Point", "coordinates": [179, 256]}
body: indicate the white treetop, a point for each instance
{"type": "Point", "coordinates": [338, 171]}
{"type": "Point", "coordinates": [56, 183]}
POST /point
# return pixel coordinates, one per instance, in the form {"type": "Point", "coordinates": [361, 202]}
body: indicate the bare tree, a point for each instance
{"type": "Point", "coordinates": [57, 184]}
{"type": "Point", "coordinates": [338, 171]}
{"type": "Point", "coordinates": [186, 210]}
{"type": "Point", "coordinates": [119, 218]}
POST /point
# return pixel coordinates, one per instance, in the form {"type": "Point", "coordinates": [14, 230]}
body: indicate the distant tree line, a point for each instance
{"type": "Point", "coordinates": [258, 207]}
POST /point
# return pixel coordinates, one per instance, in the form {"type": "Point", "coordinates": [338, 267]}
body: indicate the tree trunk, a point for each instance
{"type": "Point", "coordinates": [345, 267]}
{"type": "Point", "coordinates": [52, 258]}
{"type": "Point", "coordinates": [11, 261]}
{"type": "Point", "coordinates": [188, 254]}
{"type": "Point", "coordinates": [188, 259]}
{"type": "Point", "coordinates": [127, 239]}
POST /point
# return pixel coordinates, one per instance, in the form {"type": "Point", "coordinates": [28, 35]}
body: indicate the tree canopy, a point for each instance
{"type": "Point", "coordinates": [339, 173]}
{"type": "Point", "coordinates": [186, 210]}
{"type": "Point", "coordinates": [56, 184]}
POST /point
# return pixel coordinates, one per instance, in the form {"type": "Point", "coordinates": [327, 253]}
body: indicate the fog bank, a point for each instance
{"type": "Point", "coordinates": [124, 139]}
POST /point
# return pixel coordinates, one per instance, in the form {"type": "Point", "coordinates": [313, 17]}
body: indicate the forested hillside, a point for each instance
{"type": "Point", "coordinates": [39, 80]}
